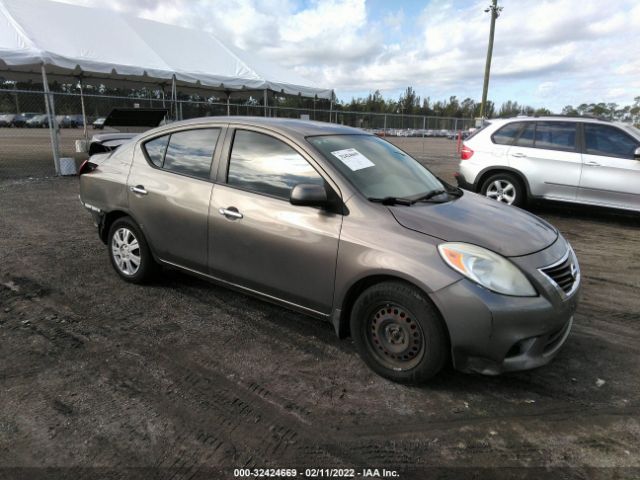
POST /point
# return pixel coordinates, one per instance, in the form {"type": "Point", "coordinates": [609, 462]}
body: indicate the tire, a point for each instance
{"type": "Point", "coordinates": [505, 188]}
{"type": "Point", "coordinates": [399, 333]}
{"type": "Point", "coordinates": [126, 245]}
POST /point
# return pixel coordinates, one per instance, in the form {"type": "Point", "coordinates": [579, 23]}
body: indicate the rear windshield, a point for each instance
{"type": "Point", "coordinates": [478, 130]}
{"type": "Point", "coordinates": [376, 167]}
{"type": "Point", "coordinates": [635, 131]}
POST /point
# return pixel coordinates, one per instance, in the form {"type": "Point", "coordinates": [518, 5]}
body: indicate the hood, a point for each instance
{"type": "Point", "coordinates": [472, 218]}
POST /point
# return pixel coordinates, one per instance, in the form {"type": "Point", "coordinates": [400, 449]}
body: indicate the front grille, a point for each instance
{"type": "Point", "coordinates": [564, 273]}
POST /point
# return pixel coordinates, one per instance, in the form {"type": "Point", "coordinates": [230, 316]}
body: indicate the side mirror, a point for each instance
{"type": "Point", "coordinates": [309, 195]}
{"type": "Point", "coordinates": [636, 154]}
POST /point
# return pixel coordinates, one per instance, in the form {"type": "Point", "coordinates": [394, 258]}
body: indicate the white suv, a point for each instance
{"type": "Point", "coordinates": [571, 159]}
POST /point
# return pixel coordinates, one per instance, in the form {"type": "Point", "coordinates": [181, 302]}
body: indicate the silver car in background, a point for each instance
{"type": "Point", "coordinates": [341, 225]}
{"type": "Point", "coordinates": [578, 160]}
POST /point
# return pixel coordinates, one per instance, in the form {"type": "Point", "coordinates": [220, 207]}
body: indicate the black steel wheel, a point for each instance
{"type": "Point", "coordinates": [399, 333]}
{"type": "Point", "coordinates": [395, 337]}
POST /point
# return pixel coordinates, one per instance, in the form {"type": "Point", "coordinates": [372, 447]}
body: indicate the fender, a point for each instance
{"type": "Point", "coordinates": [488, 170]}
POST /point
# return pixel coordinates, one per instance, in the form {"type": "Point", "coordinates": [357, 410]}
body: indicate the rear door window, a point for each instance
{"type": "Point", "coordinates": [608, 141]}
{"type": "Point", "coordinates": [264, 164]}
{"type": "Point", "coordinates": [155, 150]}
{"type": "Point", "coordinates": [527, 135]}
{"type": "Point", "coordinates": [556, 136]}
{"type": "Point", "coordinates": [189, 152]}
{"type": "Point", "coordinates": [507, 134]}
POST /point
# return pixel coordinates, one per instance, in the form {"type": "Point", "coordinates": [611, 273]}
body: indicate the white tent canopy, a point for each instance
{"type": "Point", "coordinates": [73, 41]}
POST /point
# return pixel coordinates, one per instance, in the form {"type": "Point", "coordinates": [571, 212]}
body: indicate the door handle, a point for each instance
{"type": "Point", "coordinates": [592, 164]}
{"type": "Point", "coordinates": [518, 155]}
{"type": "Point", "coordinates": [139, 189]}
{"type": "Point", "coordinates": [230, 212]}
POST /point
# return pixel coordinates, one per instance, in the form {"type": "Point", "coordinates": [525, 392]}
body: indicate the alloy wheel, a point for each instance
{"type": "Point", "coordinates": [125, 250]}
{"type": "Point", "coordinates": [502, 191]}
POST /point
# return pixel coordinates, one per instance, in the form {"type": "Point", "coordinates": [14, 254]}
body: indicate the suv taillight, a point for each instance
{"type": "Point", "coordinates": [465, 153]}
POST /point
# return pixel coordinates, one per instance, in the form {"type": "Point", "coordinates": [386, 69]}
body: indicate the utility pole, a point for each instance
{"type": "Point", "coordinates": [495, 13]}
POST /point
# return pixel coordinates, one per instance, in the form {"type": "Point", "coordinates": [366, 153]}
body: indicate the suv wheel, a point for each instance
{"type": "Point", "coordinates": [129, 251]}
{"type": "Point", "coordinates": [505, 188]}
{"type": "Point", "coordinates": [398, 333]}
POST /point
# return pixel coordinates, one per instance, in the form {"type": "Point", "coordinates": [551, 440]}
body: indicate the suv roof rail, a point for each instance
{"type": "Point", "coordinates": [591, 117]}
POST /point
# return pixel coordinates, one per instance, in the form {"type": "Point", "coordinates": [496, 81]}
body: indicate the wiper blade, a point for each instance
{"type": "Point", "coordinates": [408, 201]}
{"type": "Point", "coordinates": [451, 189]}
{"type": "Point", "coordinates": [427, 196]}
{"type": "Point", "coordinates": [455, 191]}
{"type": "Point", "coordinates": [391, 201]}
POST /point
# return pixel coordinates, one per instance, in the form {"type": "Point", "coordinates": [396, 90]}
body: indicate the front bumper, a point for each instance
{"type": "Point", "coordinates": [492, 333]}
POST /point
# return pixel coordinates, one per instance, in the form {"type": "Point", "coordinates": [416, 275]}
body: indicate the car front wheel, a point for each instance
{"type": "Point", "coordinates": [129, 251]}
{"type": "Point", "coordinates": [399, 333]}
{"type": "Point", "coordinates": [505, 188]}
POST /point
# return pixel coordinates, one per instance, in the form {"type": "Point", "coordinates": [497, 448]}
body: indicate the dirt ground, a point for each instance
{"type": "Point", "coordinates": [183, 379]}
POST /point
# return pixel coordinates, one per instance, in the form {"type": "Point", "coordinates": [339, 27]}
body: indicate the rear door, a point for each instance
{"type": "Point", "coordinates": [260, 241]}
{"type": "Point", "coordinates": [499, 146]}
{"type": "Point", "coordinates": [611, 175]}
{"type": "Point", "coordinates": [547, 153]}
{"type": "Point", "coordinates": [169, 192]}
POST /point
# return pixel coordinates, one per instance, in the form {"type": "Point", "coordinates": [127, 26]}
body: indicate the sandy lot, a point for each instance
{"type": "Point", "coordinates": [183, 379]}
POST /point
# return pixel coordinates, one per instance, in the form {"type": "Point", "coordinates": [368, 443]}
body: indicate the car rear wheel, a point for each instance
{"type": "Point", "coordinates": [129, 251]}
{"type": "Point", "coordinates": [399, 333]}
{"type": "Point", "coordinates": [505, 188]}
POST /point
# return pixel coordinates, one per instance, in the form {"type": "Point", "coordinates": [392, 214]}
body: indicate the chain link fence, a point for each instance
{"type": "Point", "coordinates": [26, 139]}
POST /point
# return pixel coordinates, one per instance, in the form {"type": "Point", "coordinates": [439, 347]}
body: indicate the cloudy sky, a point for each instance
{"type": "Point", "coordinates": [547, 53]}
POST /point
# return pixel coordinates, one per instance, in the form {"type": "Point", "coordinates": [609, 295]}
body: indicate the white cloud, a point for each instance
{"type": "Point", "coordinates": [394, 20]}
{"type": "Point", "coordinates": [568, 44]}
{"type": "Point", "coordinates": [545, 88]}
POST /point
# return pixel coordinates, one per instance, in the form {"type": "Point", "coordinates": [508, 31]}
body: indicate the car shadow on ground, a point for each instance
{"type": "Point", "coordinates": [248, 306]}
{"type": "Point", "coordinates": [539, 383]}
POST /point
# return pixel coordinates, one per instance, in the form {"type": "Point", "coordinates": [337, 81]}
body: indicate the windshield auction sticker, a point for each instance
{"type": "Point", "coordinates": [353, 159]}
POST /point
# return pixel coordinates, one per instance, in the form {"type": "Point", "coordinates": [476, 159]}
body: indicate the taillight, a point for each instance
{"type": "Point", "coordinates": [465, 153]}
{"type": "Point", "coordinates": [86, 167]}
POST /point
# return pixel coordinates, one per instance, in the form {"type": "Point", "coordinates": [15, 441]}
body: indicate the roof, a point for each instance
{"type": "Point", "coordinates": [554, 118]}
{"type": "Point", "coordinates": [288, 126]}
{"type": "Point", "coordinates": [72, 40]}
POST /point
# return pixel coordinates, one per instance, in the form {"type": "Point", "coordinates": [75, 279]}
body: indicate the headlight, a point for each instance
{"type": "Point", "coordinates": [486, 268]}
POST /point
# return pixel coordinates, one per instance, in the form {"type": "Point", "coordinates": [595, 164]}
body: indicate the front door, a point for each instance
{"type": "Point", "coordinates": [169, 193]}
{"type": "Point", "coordinates": [610, 173]}
{"type": "Point", "coordinates": [260, 241]}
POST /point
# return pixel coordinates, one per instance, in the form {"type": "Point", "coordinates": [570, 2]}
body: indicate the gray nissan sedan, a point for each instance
{"type": "Point", "coordinates": [344, 226]}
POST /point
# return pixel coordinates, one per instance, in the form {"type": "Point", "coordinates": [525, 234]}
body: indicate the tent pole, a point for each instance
{"type": "Point", "coordinates": [174, 98]}
{"type": "Point", "coordinates": [331, 107]}
{"type": "Point", "coordinates": [53, 125]}
{"type": "Point", "coordinates": [84, 114]}
{"type": "Point", "coordinates": [15, 95]}
{"type": "Point", "coordinates": [266, 101]}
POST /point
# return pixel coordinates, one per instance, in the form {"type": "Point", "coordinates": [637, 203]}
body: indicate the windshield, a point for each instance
{"type": "Point", "coordinates": [376, 167]}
